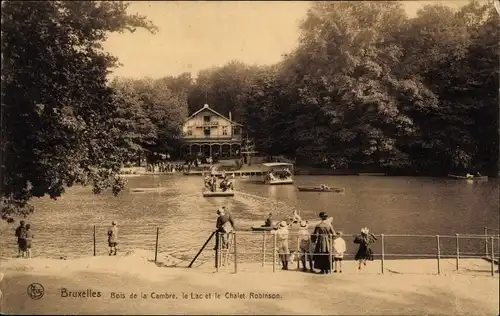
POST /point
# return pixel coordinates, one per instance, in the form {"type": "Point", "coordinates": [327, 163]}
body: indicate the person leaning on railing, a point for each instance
{"type": "Point", "coordinates": [224, 226]}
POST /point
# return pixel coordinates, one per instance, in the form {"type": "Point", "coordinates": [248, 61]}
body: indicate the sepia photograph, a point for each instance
{"type": "Point", "coordinates": [250, 158]}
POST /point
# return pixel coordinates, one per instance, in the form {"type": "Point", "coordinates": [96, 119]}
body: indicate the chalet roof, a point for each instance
{"type": "Point", "coordinates": [206, 107]}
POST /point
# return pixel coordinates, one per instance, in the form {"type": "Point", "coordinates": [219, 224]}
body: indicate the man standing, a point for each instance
{"type": "Point", "coordinates": [20, 234]}
{"type": "Point", "coordinates": [224, 226]}
{"type": "Point", "coordinates": [113, 238]}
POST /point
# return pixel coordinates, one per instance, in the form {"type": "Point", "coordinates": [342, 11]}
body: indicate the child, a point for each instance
{"type": "Point", "coordinates": [29, 239]}
{"type": "Point", "coordinates": [305, 246]}
{"type": "Point", "coordinates": [364, 252]}
{"type": "Point", "coordinates": [282, 243]}
{"type": "Point", "coordinates": [339, 247]}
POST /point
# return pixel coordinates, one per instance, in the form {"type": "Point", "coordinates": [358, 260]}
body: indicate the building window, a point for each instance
{"type": "Point", "coordinates": [206, 132]}
{"type": "Point", "coordinates": [190, 131]}
{"type": "Point", "coordinates": [206, 119]}
{"type": "Point", "coordinates": [224, 130]}
{"type": "Point", "coordinates": [236, 131]}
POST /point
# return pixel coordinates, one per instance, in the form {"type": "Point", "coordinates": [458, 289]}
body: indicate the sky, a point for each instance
{"type": "Point", "coordinates": [198, 35]}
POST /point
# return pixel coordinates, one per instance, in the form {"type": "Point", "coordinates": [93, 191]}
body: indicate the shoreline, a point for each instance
{"type": "Point", "coordinates": [201, 290]}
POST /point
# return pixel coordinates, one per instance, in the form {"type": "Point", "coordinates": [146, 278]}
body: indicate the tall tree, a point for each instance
{"type": "Point", "coordinates": [56, 105]}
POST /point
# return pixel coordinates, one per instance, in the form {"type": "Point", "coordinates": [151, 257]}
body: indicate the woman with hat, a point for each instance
{"type": "Point", "coordinates": [282, 243]}
{"type": "Point", "coordinates": [364, 240]}
{"type": "Point", "coordinates": [305, 246]}
{"type": "Point", "coordinates": [322, 236]}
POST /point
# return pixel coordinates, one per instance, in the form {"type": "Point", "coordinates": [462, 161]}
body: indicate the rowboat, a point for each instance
{"type": "Point", "coordinates": [218, 193]}
{"type": "Point", "coordinates": [473, 178]}
{"type": "Point", "coordinates": [157, 189]}
{"type": "Point", "coordinates": [257, 228]}
{"type": "Point", "coordinates": [320, 189]}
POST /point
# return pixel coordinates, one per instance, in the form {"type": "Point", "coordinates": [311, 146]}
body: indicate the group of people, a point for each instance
{"type": "Point", "coordinates": [24, 236]}
{"type": "Point", "coordinates": [318, 248]}
{"type": "Point", "coordinates": [282, 174]}
{"type": "Point", "coordinates": [164, 167]}
{"type": "Point", "coordinates": [211, 183]}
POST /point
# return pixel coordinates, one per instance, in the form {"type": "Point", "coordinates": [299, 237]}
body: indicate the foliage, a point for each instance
{"type": "Point", "coordinates": [56, 106]}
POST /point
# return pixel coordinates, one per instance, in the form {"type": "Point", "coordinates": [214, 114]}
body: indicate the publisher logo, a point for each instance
{"type": "Point", "coordinates": [35, 291]}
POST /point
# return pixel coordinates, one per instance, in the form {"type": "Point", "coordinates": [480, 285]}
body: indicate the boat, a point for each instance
{"type": "Point", "coordinates": [277, 168]}
{"type": "Point", "coordinates": [207, 193]}
{"type": "Point", "coordinates": [320, 189]}
{"type": "Point", "coordinates": [471, 177]}
{"type": "Point", "coordinates": [279, 181]}
{"type": "Point", "coordinates": [262, 228]}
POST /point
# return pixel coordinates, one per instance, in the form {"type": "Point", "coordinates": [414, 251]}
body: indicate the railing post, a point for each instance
{"type": "Point", "coordinates": [458, 251]}
{"type": "Point", "coordinates": [486, 241]}
{"type": "Point", "coordinates": [217, 250]}
{"type": "Point", "coordinates": [274, 252]}
{"type": "Point", "coordinates": [94, 242]}
{"type": "Point", "coordinates": [156, 244]}
{"type": "Point", "coordinates": [235, 253]}
{"type": "Point", "coordinates": [298, 253]}
{"type": "Point", "coordinates": [438, 254]}
{"type": "Point", "coordinates": [492, 257]}
{"type": "Point", "coordinates": [383, 252]}
{"type": "Point", "coordinates": [264, 249]}
{"type": "Point", "coordinates": [331, 252]}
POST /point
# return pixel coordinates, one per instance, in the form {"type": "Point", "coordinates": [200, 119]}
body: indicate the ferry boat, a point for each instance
{"type": "Point", "coordinates": [277, 168]}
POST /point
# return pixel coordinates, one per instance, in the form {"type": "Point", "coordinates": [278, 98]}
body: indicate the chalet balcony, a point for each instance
{"type": "Point", "coordinates": [206, 124]}
{"type": "Point", "coordinates": [212, 138]}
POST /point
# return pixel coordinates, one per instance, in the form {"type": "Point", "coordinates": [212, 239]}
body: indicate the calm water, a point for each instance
{"type": "Point", "coordinates": [388, 205]}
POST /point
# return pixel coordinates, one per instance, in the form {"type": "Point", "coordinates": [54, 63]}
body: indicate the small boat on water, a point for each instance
{"type": "Point", "coordinates": [279, 181]}
{"type": "Point", "coordinates": [228, 193]}
{"type": "Point", "coordinates": [262, 228]}
{"type": "Point", "coordinates": [468, 177]}
{"type": "Point", "coordinates": [321, 189]}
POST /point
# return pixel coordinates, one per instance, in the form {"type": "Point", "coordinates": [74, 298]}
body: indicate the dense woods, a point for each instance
{"type": "Point", "coordinates": [367, 88]}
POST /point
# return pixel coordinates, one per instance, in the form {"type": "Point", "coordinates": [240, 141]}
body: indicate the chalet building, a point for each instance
{"type": "Point", "coordinates": [209, 133]}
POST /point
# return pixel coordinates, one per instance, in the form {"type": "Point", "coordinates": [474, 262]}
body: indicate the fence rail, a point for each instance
{"type": "Point", "coordinates": [261, 247]}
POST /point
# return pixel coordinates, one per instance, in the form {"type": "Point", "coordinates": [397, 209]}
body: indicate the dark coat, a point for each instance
{"type": "Point", "coordinates": [322, 236]}
{"type": "Point", "coordinates": [364, 241]}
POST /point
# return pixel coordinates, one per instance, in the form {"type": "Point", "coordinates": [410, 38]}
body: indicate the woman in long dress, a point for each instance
{"type": "Point", "coordinates": [364, 240]}
{"type": "Point", "coordinates": [322, 237]}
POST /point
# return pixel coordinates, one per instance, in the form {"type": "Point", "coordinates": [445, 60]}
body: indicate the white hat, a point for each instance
{"type": "Point", "coordinates": [283, 224]}
{"type": "Point", "coordinates": [303, 224]}
{"type": "Point", "coordinates": [365, 230]}
{"type": "Point", "coordinates": [113, 223]}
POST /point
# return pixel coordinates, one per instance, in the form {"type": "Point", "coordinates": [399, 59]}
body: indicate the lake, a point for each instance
{"type": "Point", "coordinates": [388, 205]}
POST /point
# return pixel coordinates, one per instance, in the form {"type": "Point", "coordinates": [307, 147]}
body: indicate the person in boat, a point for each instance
{"type": "Point", "coordinates": [478, 174]}
{"type": "Point", "coordinates": [295, 217]}
{"type": "Point", "coordinates": [287, 173]}
{"type": "Point", "coordinates": [325, 187]}
{"type": "Point", "coordinates": [269, 221]}
{"type": "Point", "coordinates": [213, 183]}
{"type": "Point", "coordinates": [208, 182]}
{"type": "Point", "coordinates": [469, 176]}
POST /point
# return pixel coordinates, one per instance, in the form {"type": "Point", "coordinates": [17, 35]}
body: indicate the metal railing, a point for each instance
{"type": "Point", "coordinates": [255, 247]}
{"type": "Point", "coordinates": [491, 254]}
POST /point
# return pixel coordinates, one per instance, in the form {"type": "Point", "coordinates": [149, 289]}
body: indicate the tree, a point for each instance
{"type": "Point", "coordinates": [159, 113]}
{"type": "Point", "coordinates": [56, 105]}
